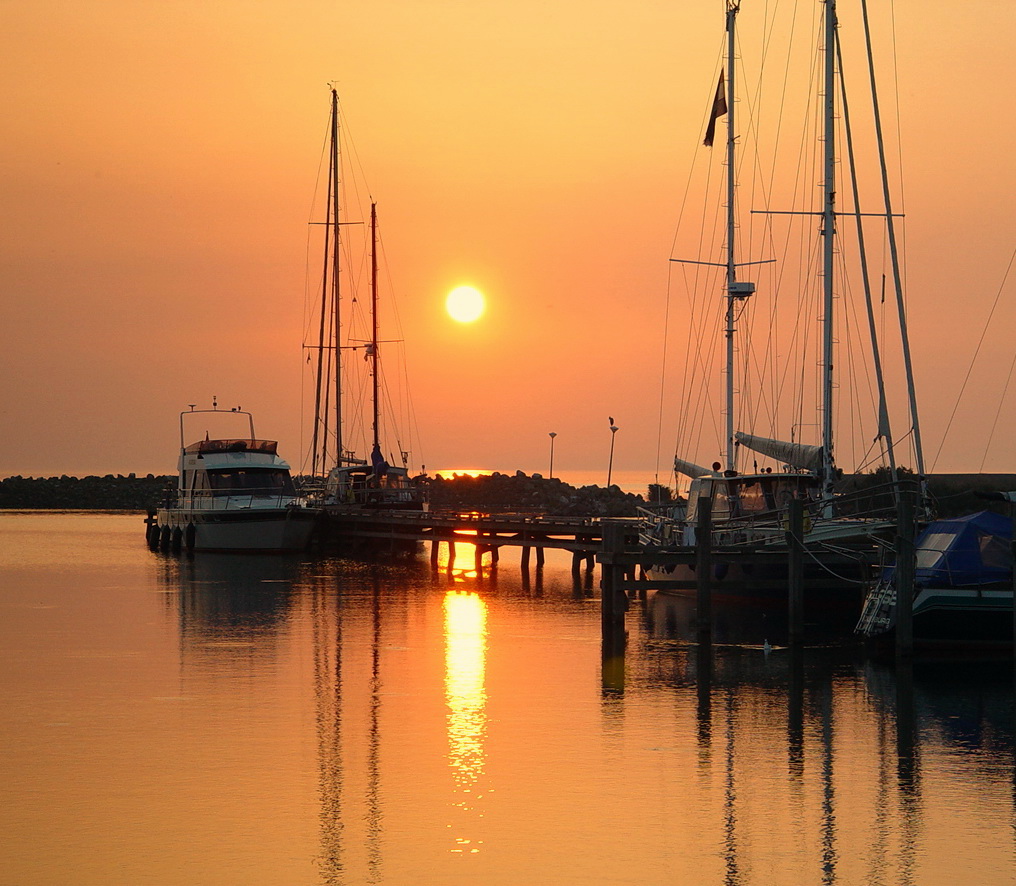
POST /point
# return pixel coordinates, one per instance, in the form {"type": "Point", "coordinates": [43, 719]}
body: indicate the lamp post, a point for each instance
{"type": "Point", "coordinates": [552, 435]}
{"type": "Point", "coordinates": [610, 463]}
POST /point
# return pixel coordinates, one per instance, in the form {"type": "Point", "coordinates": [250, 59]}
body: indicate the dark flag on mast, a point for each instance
{"type": "Point", "coordinates": [719, 109]}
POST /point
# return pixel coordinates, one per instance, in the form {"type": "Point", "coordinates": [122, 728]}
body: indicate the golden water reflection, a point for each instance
{"type": "Point", "coordinates": [465, 623]}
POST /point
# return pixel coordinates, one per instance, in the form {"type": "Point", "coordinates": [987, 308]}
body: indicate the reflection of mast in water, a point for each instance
{"type": "Point", "coordinates": [908, 772]}
{"type": "Point", "coordinates": [828, 790]}
{"type": "Point", "coordinates": [880, 847]}
{"type": "Point", "coordinates": [733, 873]}
{"type": "Point", "coordinates": [704, 698]}
{"type": "Point", "coordinates": [374, 743]}
{"type": "Point", "coordinates": [795, 716]}
{"type": "Point", "coordinates": [327, 694]}
{"type": "Point", "coordinates": [465, 695]}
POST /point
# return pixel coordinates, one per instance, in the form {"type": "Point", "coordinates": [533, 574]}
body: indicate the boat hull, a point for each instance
{"type": "Point", "coordinates": [763, 577]}
{"type": "Point", "coordinates": [963, 617]}
{"type": "Point", "coordinates": [265, 530]}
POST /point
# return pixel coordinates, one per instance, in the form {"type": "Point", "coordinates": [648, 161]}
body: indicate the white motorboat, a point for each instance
{"type": "Point", "coordinates": [233, 493]}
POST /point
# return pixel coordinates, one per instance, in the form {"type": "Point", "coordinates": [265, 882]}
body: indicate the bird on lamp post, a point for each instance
{"type": "Point", "coordinates": [610, 463]}
{"type": "Point", "coordinates": [552, 435]}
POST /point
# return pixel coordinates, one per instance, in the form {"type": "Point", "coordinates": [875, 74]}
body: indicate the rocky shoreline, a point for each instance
{"type": "Point", "coordinates": [489, 493]}
{"type": "Point", "coordinates": [494, 493]}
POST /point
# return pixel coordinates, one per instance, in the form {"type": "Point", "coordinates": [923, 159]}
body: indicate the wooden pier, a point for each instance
{"type": "Point", "coordinates": [533, 535]}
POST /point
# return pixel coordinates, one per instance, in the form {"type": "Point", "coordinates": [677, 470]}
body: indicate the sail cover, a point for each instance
{"type": "Point", "coordinates": [690, 469]}
{"type": "Point", "coordinates": [798, 455]}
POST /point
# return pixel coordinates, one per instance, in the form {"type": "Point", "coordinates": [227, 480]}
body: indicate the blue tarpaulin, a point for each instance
{"type": "Point", "coordinates": [965, 551]}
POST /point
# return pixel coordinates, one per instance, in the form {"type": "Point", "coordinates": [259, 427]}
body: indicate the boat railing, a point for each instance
{"type": "Point", "coordinates": [264, 447]}
{"type": "Point", "coordinates": [247, 498]}
{"type": "Point", "coordinates": [856, 512]}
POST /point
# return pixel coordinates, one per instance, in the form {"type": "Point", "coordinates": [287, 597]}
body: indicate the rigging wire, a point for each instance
{"type": "Point", "coordinates": [977, 350]}
{"type": "Point", "coordinates": [1001, 400]}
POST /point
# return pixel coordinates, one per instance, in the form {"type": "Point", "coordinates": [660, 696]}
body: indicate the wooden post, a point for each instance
{"type": "Point", "coordinates": [905, 566]}
{"type": "Point", "coordinates": [478, 557]}
{"type": "Point", "coordinates": [613, 604]}
{"type": "Point", "coordinates": [1013, 553]}
{"type": "Point", "coordinates": [525, 559]}
{"type": "Point", "coordinates": [540, 555]}
{"type": "Point", "coordinates": [435, 548]}
{"type": "Point", "coordinates": [451, 555]}
{"type": "Point", "coordinates": [795, 569]}
{"type": "Point", "coordinates": [613, 601]}
{"type": "Point", "coordinates": [704, 568]}
{"type": "Point", "coordinates": [494, 556]}
{"type": "Point", "coordinates": [576, 566]}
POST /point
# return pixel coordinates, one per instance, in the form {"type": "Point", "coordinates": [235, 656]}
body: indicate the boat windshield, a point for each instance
{"type": "Point", "coordinates": [748, 495]}
{"type": "Point", "coordinates": [264, 481]}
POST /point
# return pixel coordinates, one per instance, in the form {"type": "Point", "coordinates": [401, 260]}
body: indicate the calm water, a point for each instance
{"type": "Point", "coordinates": [246, 720]}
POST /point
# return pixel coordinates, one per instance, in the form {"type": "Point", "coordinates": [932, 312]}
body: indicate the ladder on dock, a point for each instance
{"type": "Point", "coordinates": [879, 612]}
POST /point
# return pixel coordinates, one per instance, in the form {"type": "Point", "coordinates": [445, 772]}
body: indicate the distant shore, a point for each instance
{"type": "Point", "coordinates": [494, 492]}
{"type": "Point", "coordinates": [954, 494]}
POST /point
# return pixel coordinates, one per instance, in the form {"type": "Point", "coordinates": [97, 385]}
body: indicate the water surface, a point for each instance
{"type": "Point", "coordinates": [263, 720]}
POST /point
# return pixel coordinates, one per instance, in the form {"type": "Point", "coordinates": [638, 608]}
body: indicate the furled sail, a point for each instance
{"type": "Point", "coordinates": [797, 455]}
{"type": "Point", "coordinates": [690, 469]}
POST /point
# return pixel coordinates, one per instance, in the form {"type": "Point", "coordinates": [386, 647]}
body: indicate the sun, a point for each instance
{"type": "Point", "coordinates": [465, 304]}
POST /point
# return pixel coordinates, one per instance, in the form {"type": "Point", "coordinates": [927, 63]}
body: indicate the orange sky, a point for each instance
{"type": "Point", "coordinates": [159, 169]}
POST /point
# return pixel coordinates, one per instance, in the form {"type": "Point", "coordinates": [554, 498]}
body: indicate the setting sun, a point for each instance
{"type": "Point", "coordinates": [465, 304]}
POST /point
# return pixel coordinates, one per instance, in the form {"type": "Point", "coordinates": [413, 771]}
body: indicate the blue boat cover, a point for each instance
{"type": "Point", "coordinates": [965, 551]}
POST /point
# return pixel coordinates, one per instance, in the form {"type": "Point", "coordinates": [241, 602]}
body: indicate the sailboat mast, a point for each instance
{"type": "Point", "coordinates": [894, 253]}
{"type": "Point", "coordinates": [732, 8]}
{"type": "Point", "coordinates": [336, 330]}
{"type": "Point", "coordinates": [373, 317]}
{"type": "Point", "coordinates": [828, 235]}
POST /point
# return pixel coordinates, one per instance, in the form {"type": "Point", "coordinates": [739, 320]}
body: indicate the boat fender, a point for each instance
{"type": "Point", "coordinates": [785, 521]}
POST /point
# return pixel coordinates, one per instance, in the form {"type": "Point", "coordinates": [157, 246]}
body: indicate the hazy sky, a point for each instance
{"type": "Point", "coordinates": [159, 167]}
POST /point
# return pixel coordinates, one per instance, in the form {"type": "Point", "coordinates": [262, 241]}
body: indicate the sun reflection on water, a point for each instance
{"type": "Point", "coordinates": [465, 619]}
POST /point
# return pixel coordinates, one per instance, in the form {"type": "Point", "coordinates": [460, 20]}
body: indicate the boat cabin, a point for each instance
{"type": "Point", "coordinates": [363, 485]}
{"type": "Point", "coordinates": [749, 495]}
{"type": "Point", "coordinates": [217, 469]}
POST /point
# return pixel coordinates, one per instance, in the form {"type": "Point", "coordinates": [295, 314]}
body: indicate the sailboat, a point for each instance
{"type": "Point", "coordinates": [346, 480]}
{"type": "Point", "coordinates": [749, 510]}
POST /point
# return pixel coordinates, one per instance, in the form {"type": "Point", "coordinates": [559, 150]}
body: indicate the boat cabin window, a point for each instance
{"type": "Point", "coordinates": [932, 549]}
{"type": "Point", "coordinates": [270, 481]}
{"type": "Point", "coordinates": [747, 497]}
{"type": "Point", "coordinates": [996, 552]}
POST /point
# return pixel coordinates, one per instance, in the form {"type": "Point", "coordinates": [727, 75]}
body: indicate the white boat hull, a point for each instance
{"type": "Point", "coordinates": [262, 530]}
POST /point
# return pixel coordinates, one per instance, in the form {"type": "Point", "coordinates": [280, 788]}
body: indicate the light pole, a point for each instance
{"type": "Point", "coordinates": [610, 464]}
{"type": "Point", "coordinates": [552, 435]}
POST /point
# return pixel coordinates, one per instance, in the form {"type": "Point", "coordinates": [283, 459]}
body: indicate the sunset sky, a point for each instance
{"type": "Point", "coordinates": [160, 161]}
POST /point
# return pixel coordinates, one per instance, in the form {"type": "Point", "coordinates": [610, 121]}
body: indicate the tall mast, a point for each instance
{"type": "Point", "coordinates": [732, 8]}
{"type": "Point", "coordinates": [736, 291]}
{"type": "Point", "coordinates": [894, 253]}
{"type": "Point", "coordinates": [723, 103]}
{"type": "Point", "coordinates": [373, 316]}
{"type": "Point", "coordinates": [336, 329]}
{"type": "Point", "coordinates": [828, 235]}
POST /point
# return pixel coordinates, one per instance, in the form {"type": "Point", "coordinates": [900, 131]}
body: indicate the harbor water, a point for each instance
{"type": "Point", "coordinates": [224, 719]}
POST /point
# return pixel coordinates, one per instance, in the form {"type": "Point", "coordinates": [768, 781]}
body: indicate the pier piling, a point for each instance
{"type": "Point", "coordinates": [613, 599]}
{"type": "Point", "coordinates": [704, 569]}
{"type": "Point", "coordinates": [795, 566]}
{"type": "Point", "coordinates": [905, 567]}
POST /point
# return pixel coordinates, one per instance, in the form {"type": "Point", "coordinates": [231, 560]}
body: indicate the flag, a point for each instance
{"type": "Point", "coordinates": [719, 109]}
